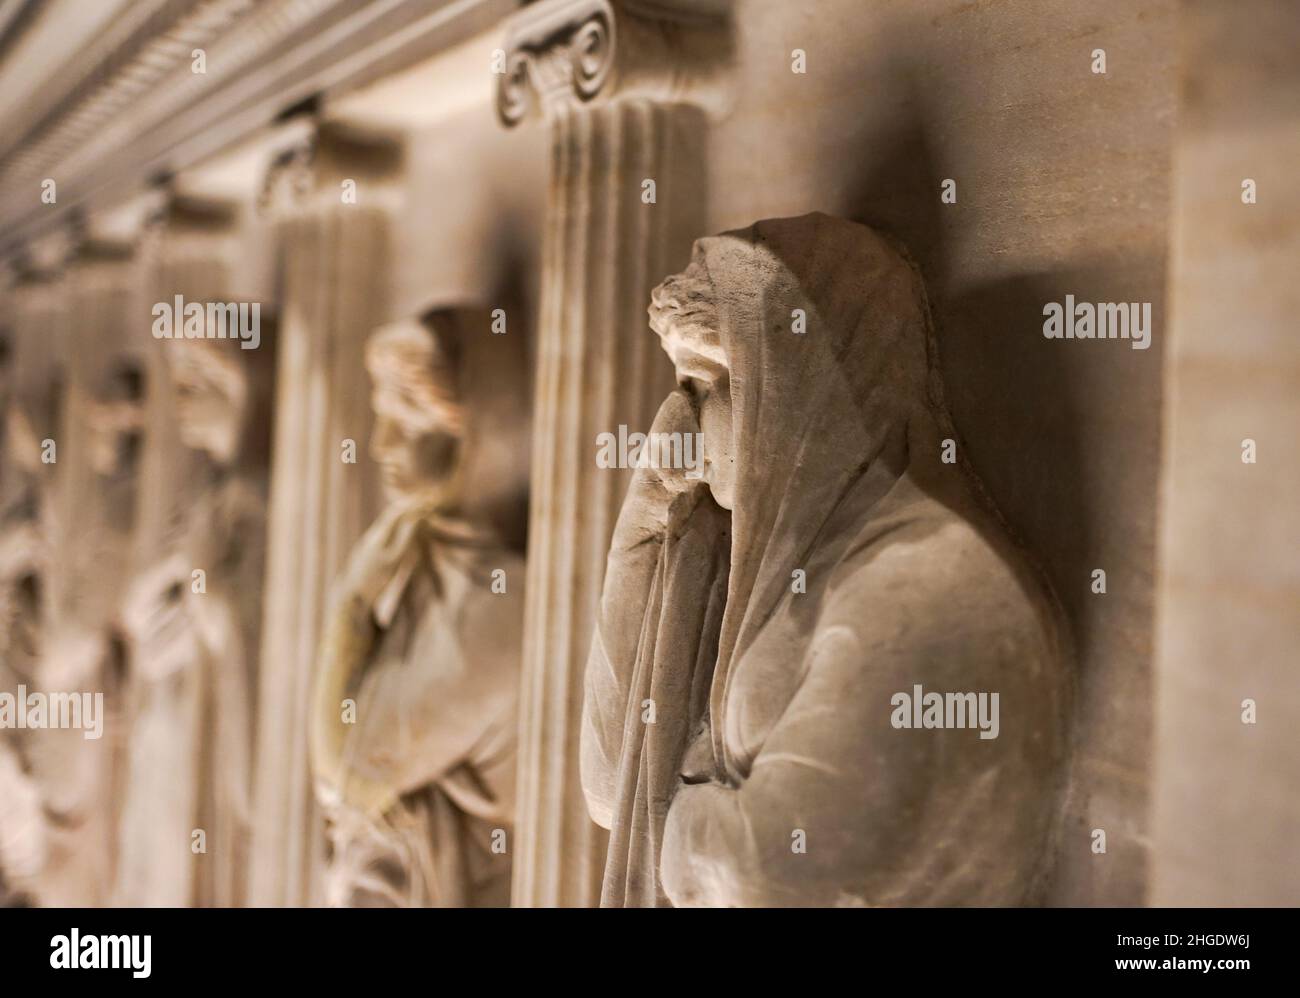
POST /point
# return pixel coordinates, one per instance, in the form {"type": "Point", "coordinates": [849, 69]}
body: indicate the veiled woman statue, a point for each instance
{"type": "Point", "coordinates": [413, 718]}
{"type": "Point", "coordinates": [192, 622]}
{"type": "Point", "coordinates": [768, 619]}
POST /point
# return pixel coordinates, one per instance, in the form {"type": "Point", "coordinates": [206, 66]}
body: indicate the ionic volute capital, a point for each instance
{"type": "Point", "coordinates": [289, 179]}
{"type": "Point", "coordinates": [327, 165]}
{"type": "Point", "coordinates": [561, 54]}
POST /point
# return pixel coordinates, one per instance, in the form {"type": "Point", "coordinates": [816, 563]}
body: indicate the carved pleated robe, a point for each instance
{"type": "Point", "coordinates": [414, 716]}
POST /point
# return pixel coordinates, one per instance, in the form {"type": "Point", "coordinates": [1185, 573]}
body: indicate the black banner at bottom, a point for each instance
{"type": "Point", "coordinates": [576, 949]}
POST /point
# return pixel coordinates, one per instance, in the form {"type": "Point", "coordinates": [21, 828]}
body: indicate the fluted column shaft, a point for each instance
{"type": "Point", "coordinates": [334, 265]}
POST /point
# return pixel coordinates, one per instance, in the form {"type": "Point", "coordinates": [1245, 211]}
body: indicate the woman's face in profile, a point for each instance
{"type": "Point", "coordinates": [711, 394]}
{"type": "Point", "coordinates": [410, 462]}
{"type": "Point", "coordinates": [683, 313]}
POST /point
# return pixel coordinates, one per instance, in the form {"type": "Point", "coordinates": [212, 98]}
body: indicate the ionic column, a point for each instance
{"type": "Point", "coordinates": [623, 96]}
{"type": "Point", "coordinates": [333, 260]}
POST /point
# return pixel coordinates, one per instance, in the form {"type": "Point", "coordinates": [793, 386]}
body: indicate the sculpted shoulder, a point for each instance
{"type": "Point", "coordinates": [935, 603]}
{"type": "Point", "coordinates": [929, 578]}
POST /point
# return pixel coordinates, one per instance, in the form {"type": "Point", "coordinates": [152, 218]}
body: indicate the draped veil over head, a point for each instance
{"type": "Point", "coordinates": [837, 421]}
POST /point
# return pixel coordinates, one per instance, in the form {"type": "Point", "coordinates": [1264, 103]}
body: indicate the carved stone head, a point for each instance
{"type": "Point", "coordinates": [212, 396]}
{"type": "Point", "coordinates": [804, 346]}
{"type": "Point", "coordinates": [418, 421]}
{"type": "Point", "coordinates": [683, 312]}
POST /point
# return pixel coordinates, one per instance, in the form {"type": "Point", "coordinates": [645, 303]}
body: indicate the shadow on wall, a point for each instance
{"type": "Point", "coordinates": [1064, 435]}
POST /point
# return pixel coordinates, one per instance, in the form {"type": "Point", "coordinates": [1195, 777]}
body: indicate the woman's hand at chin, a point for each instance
{"type": "Point", "coordinates": [653, 490]}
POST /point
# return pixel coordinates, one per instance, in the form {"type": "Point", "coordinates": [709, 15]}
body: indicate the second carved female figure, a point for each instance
{"type": "Point", "coordinates": [193, 621]}
{"type": "Point", "coordinates": [413, 724]}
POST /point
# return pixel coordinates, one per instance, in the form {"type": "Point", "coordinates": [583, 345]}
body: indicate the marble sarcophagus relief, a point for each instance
{"type": "Point", "coordinates": [869, 568]}
{"type": "Point", "coordinates": [748, 732]}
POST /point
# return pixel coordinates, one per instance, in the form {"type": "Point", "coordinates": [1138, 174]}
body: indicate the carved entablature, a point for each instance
{"type": "Point", "coordinates": [169, 85]}
{"type": "Point", "coordinates": [565, 53]}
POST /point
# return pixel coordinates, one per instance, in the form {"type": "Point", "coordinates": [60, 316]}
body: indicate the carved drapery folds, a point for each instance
{"type": "Point", "coordinates": [625, 199]}
{"type": "Point", "coordinates": [769, 608]}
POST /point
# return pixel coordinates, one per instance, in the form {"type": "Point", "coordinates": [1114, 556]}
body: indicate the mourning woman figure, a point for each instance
{"type": "Point", "coordinates": [413, 713]}
{"type": "Point", "coordinates": [766, 619]}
